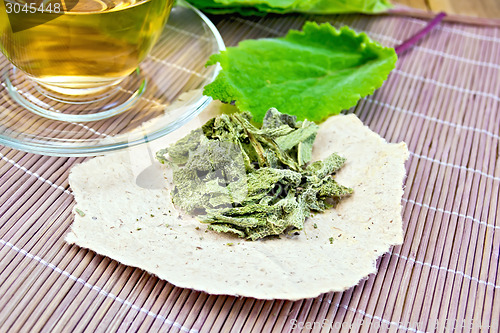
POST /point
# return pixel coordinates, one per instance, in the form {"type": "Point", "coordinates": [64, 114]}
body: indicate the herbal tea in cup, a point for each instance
{"type": "Point", "coordinates": [79, 48]}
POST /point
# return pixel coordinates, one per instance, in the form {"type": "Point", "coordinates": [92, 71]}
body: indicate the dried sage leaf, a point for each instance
{"type": "Point", "coordinates": [249, 181]}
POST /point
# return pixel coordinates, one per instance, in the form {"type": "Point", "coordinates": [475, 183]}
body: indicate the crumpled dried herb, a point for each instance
{"type": "Point", "coordinates": [249, 181]}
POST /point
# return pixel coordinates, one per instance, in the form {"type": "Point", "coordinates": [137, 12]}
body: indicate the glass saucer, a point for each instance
{"type": "Point", "coordinates": [171, 81]}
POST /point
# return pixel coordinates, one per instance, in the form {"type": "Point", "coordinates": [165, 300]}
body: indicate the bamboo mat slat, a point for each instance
{"type": "Point", "coordinates": [443, 100]}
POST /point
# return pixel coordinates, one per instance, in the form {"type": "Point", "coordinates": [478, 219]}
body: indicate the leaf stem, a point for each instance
{"type": "Point", "coordinates": [419, 35]}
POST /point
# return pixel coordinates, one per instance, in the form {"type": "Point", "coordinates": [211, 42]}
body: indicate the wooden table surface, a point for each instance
{"type": "Point", "coordinates": [489, 9]}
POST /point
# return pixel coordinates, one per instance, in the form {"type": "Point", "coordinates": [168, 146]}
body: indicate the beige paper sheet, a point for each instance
{"type": "Point", "coordinates": [128, 216]}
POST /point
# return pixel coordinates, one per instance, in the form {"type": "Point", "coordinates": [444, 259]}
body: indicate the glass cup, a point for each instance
{"type": "Point", "coordinates": [78, 60]}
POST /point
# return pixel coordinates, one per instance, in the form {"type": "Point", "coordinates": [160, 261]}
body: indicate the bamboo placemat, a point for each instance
{"type": "Point", "coordinates": [442, 99]}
